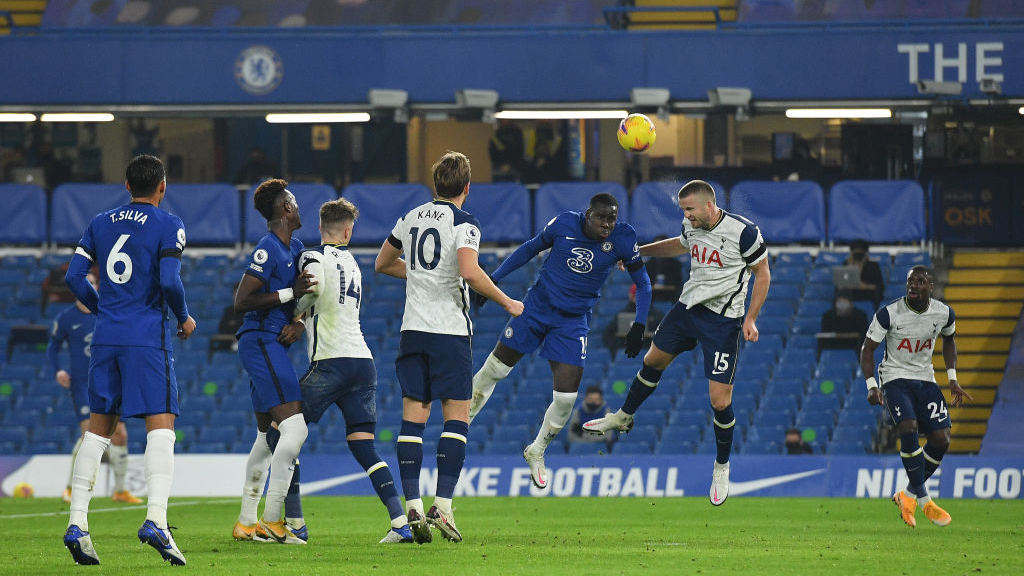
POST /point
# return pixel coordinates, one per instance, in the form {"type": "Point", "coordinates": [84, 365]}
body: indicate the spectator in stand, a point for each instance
{"type": "Point", "coordinates": [55, 289]}
{"type": "Point", "coordinates": [257, 168]}
{"type": "Point", "coordinates": [795, 443]}
{"type": "Point", "coordinates": [843, 325]}
{"type": "Point", "coordinates": [872, 285]}
{"type": "Point", "coordinates": [506, 151]}
{"type": "Point", "coordinates": [593, 407]}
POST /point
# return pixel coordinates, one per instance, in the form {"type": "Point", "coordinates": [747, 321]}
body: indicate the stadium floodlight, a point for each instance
{"type": "Point", "coordinates": [649, 96]}
{"type": "Point", "coordinates": [318, 118]}
{"type": "Point", "coordinates": [560, 114]}
{"type": "Point", "coordinates": [473, 98]}
{"type": "Point", "coordinates": [739, 97]}
{"type": "Point", "coordinates": [17, 117]}
{"type": "Point", "coordinates": [937, 88]}
{"type": "Point", "coordinates": [77, 117]}
{"type": "Point", "coordinates": [396, 100]}
{"type": "Point", "coordinates": [991, 87]}
{"type": "Point", "coordinates": [838, 113]}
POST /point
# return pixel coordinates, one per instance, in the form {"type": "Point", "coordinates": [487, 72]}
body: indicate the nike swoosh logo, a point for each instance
{"type": "Point", "coordinates": [289, 264]}
{"type": "Point", "coordinates": [718, 371]}
{"type": "Point", "coordinates": [318, 485]}
{"type": "Point", "coordinates": [75, 326]}
{"type": "Point", "coordinates": [755, 485]}
{"type": "Point", "coordinates": [570, 238]}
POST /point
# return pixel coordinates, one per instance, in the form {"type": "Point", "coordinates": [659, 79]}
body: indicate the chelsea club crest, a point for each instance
{"type": "Point", "coordinates": [258, 70]}
{"type": "Point", "coordinates": [607, 246]}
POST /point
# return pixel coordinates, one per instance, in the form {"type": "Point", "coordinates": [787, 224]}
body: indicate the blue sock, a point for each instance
{"type": "Point", "coordinates": [451, 455]}
{"type": "Point", "coordinates": [913, 462]}
{"type": "Point", "coordinates": [293, 500]}
{"type": "Point", "coordinates": [380, 475]}
{"type": "Point", "coordinates": [932, 458]}
{"type": "Point", "coordinates": [410, 458]}
{"type": "Point", "coordinates": [642, 387]}
{"type": "Point", "coordinates": [725, 424]}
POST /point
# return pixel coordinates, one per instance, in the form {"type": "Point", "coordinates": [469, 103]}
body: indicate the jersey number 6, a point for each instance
{"type": "Point", "coordinates": [116, 256]}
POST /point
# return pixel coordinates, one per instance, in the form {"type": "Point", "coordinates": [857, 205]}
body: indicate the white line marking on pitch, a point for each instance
{"type": "Point", "coordinates": [118, 509]}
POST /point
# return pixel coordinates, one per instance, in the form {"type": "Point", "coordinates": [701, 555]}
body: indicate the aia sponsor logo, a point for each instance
{"type": "Point", "coordinates": [916, 346]}
{"type": "Point", "coordinates": [705, 256]}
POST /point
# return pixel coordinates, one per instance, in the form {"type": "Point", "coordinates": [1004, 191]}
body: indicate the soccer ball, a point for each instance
{"type": "Point", "coordinates": [636, 133]}
{"type": "Point", "coordinates": [24, 490]}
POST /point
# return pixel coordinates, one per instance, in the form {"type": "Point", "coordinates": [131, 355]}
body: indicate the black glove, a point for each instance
{"type": "Point", "coordinates": [635, 339]}
{"type": "Point", "coordinates": [479, 299]}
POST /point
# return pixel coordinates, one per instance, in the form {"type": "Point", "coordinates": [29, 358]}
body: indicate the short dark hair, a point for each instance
{"type": "Point", "coordinates": [924, 270]}
{"type": "Point", "coordinates": [594, 388]}
{"type": "Point", "coordinates": [604, 199]}
{"type": "Point", "coordinates": [792, 431]}
{"type": "Point", "coordinates": [266, 196]}
{"type": "Point", "coordinates": [451, 174]}
{"type": "Point", "coordinates": [335, 212]}
{"type": "Point", "coordinates": [144, 175]}
{"type": "Point", "coordinates": [696, 187]}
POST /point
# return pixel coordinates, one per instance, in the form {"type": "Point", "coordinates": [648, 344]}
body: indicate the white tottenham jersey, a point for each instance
{"type": "Point", "coordinates": [719, 259]}
{"type": "Point", "coordinates": [910, 338]}
{"type": "Point", "coordinates": [436, 296]}
{"type": "Point", "coordinates": [332, 325]}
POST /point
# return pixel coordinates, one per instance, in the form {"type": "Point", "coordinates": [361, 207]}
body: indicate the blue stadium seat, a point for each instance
{"type": "Point", "coordinates": [809, 417]}
{"type": "Point", "coordinates": [817, 402]}
{"type": "Point", "coordinates": [786, 387]}
{"type": "Point", "coordinates": [672, 447]}
{"type": "Point", "coordinates": [218, 433]}
{"type": "Point", "coordinates": [624, 447]}
{"type": "Point", "coordinates": [682, 433]}
{"type": "Point", "coordinates": [850, 447]}
{"type": "Point", "coordinates": [853, 433]}
{"type": "Point", "coordinates": [792, 260]}
{"type": "Point", "coordinates": [879, 211]}
{"type": "Point", "coordinates": [774, 418]}
{"type": "Point", "coordinates": [25, 215]}
{"type": "Point", "coordinates": [792, 370]}
{"type": "Point", "coordinates": [828, 259]}
{"type": "Point", "coordinates": [59, 435]}
{"type": "Point", "coordinates": [690, 417]}
{"type": "Point", "coordinates": [504, 446]}
{"type": "Point", "coordinates": [516, 432]}
{"type": "Point", "coordinates": [209, 448]}
{"type": "Point", "coordinates": [785, 212]}
{"type": "Point", "coordinates": [503, 210]}
{"type": "Point", "coordinates": [853, 417]}
{"type": "Point", "coordinates": [380, 206]}
{"type": "Point", "coordinates": [588, 448]}
{"type": "Point", "coordinates": [761, 446]}
{"type": "Point", "coordinates": [779, 404]}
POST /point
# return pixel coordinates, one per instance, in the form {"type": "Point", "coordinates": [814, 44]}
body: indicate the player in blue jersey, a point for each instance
{"type": "Point", "coordinates": [724, 250]}
{"type": "Point", "coordinates": [137, 248]}
{"type": "Point", "coordinates": [585, 247]}
{"type": "Point", "coordinates": [910, 327]}
{"type": "Point", "coordinates": [266, 294]}
{"type": "Point", "coordinates": [74, 325]}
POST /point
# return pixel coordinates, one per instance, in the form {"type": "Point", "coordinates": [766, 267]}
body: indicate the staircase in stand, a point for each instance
{"type": "Point", "coordinates": [688, 14]}
{"type": "Point", "coordinates": [986, 290]}
{"type": "Point", "coordinates": [21, 14]}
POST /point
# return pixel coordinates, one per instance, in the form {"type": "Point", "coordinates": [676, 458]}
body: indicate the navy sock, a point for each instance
{"type": "Point", "coordinates": [410, 458]}
{"type": "Point", "coordinates": [643, 385]}
{"type": "Point", "coordinates": [451, 455]}
{"type": "Point", "coordinates": [293, 500]}
{"type": "Point", "coordinates": [932, 458]}
{"type": "Point", "coordinates": [913, 462]}
{"type": "Point", "coordinates": [725, 424]}
{"type": "Point", "coordinates": [365, 453]}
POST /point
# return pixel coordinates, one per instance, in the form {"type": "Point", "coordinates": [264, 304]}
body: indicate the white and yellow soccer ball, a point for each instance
{"type": "Point", "coordinates": [23, 490]}
{"type": "Point", "coordinates": [636, 133]}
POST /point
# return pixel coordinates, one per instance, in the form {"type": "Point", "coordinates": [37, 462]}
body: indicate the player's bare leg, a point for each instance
{"type": "Point", "coordinates": [497, 366]}
{"type": "Point", "coordinates": [646, 380]}
{"type": "Point", "coordinates": [566, 379]}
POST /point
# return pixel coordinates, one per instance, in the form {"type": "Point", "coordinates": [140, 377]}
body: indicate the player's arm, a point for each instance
{"type": "Point", "coordinates": [250, 296]}
{"type": "Point", "coordinates": [635, 336]}
{"type": "Point", "coordinates": [762, 280]}
{"type": "Point", "coordinates": [174, 293]}
{"type": "Point", "coordinates": [526, 251]}
{"type": "Point", "coordinates": [309, 264]}
{"type": "Point", "coordinates": [389, 258]}
{"type": "Point", "coordinates": [470, 270]}
{"type": "Point", "coordinates": [78, 282]}
{"type": "Point", "coordinates": [57, 337]}
{"type": "Point", "coordinates": [877, 330]}
{"type": "Point", "coordinates": [668, 248]}
{"type": "Point", "coordinates": [949, 356]}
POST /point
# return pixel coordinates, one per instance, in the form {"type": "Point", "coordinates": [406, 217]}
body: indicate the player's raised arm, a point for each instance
{"type": "Point", "coordinates": [762, 280]}
{"type": "Point", "coordinates": [667, 248]}
{"type": "Point", "coordinates": [389, 258]}
{"type": "Point", "coordinates": [470, 270]}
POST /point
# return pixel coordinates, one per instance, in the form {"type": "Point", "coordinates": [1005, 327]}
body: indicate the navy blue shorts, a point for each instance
{"type": "Point", "coordinates": [132, 381]}
{"type": "Point", "coordinates": [80, 398]}
{"type": "Point", "coordinates": [272, 379]}
{"type": "Point", "coordinates": [682, 328]}
{"type": "Point", "coordinates": [351, 383]}
{"type": "Point", "coordinates": [916, 400]}
{"type": "Point", "coordinates": [560, 336]}
{"type": "Point", "coordinates": [435, 366]}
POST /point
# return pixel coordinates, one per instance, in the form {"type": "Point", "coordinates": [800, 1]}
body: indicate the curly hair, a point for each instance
{"type": "Point", "coordinates": [266, 196]}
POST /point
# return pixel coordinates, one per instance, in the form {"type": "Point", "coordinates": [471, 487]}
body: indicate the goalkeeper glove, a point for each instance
{"type": "Point", "coordinates": [634, 339]}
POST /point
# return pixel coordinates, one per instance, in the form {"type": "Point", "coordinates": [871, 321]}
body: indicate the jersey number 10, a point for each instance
{"type": "Point", "coordinates": [417, 255]}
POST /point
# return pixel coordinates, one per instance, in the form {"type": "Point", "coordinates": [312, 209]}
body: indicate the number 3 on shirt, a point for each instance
{"type": "Point", "coordinates": [115, 257]}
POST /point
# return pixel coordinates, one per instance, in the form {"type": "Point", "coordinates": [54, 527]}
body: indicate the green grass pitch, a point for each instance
{"type": "Point", "coordinates": [571, 536]}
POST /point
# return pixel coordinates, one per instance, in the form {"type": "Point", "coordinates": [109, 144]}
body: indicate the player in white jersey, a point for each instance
{"type": "Point", "coordinates": [341, 369]}
{"type": "Point", "coordinates": [912, 399]}
{"type": "Point", "coordinates": [724, 250]}
{"type": "Point", "coordinates": [441, 243]}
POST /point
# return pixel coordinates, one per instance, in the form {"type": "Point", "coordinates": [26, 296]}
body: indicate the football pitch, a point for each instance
{"type": "Point", "coordinates": [572, 536]}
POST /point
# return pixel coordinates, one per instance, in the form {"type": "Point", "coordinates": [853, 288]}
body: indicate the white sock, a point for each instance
{"type": "Point", "coordinates": [295, 523]}
{"type": "Point", "coordinates": [555, 418]}
{"type": "Point", "coordinates": [159, 461]}
{"type": "Point", "coordinates": [293, 434]}
{"type": "Point", "coordinates": [119, 464]}
{"type": "Point", "coordinates": [416, 504]}
{"type": "Point", "coordinates": [400, 521]}
{"type": "Point", "coordinates": [83, 476]}
{"type": "Point", "coordinates": [74, 454]}
{"type": "Point", "coordinates": [484, 381]}
{"type": "Point", "coordinates": [255, 478]}
{"type": "Point", "coordinates": [444, 505]}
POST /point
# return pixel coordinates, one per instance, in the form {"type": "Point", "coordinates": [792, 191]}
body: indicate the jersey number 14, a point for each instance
{"type": "Point", "coordinates": [347, 290]}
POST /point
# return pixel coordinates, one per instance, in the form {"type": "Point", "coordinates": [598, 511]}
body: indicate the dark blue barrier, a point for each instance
{"type": "Point", "coordinates": [503, 210]}
{"type": "Point", "coordinates": [24, 219]}
{"type": "Point", "coordinates": [75, 205]}
{"type": "Point", "coordinates": [210, 212]}
{"type": "Point", "coordinates": [878, 211]}
{"type": "Point", "coordinates": [557, 197]}
{"type": "Point", "coordinates": [784, 211]}
{"type": "Point", "coordinates": [380, 206]}
{"type": "Point", "coordinates": [309, 198]}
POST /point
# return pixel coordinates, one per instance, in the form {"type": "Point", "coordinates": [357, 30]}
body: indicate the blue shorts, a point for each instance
{"type": "Point", "coordinates": [916, 400]}
{"type": "Point", "coordinates": [562, 337]}
{"type": "Point", "coordinates": [132, 381]}
{"type": "Point", "coordinates": [435, 366]}
{"type": "Point", "coordinates": [719, 337]}
{"type": "Point", "coordinates": [272, 379]}
{"type": "Point", "coordinates": [351, 383]}
{"type": "Point", "coordinates": [80, 397]}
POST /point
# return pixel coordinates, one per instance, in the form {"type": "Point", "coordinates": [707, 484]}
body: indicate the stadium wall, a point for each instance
{"type": "Point", "coordinates": [337, 66]}
{"type": "Point", "coordinates": [604, 476]}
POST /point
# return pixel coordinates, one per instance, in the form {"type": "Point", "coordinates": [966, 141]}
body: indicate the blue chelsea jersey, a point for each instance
{"type": "Point", "coordinates": [275, 264]}
{"type": "Point", "coordinates": [577, 266]}
{"type": "Point", "coordinates": [127, 243]}
{"type": "Point", "coordinates": [76, 328]}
